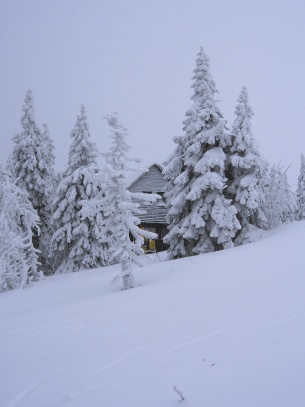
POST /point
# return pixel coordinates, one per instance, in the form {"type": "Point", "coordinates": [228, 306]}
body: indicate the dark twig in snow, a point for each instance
{"type": "Point", "coordinates": [180, 393]}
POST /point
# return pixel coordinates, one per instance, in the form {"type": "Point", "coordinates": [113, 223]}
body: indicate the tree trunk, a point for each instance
{"type": "Point", "coordinates": [126, 270]}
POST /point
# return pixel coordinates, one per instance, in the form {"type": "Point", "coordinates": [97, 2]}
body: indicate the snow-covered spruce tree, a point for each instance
{"type": "Point", "coordinates": [290, 207]}
{"type": "Point", "coordinates": [76, 244]}
{"type": "Point", "coordinates": [49, 148]}
{"type": "Point", "coordinates": [10, 168]}
{"type": "Point", "coordinates": [18, 257]}
{"type": "Point", "coordinates": [301, 191]}
{"type": "Point", "coordinates": [48, 152]}
{"type": "Point", "coordinates": [48, 158]}
{"type": "Point", "coordinates": [279, 202]}
{"type": "Point", "coordinates": [200, 218]}
{"type": "Point", "coordinates": [32, 161]}
{"type": "Point", "coordinates": [245, 172]}
{"type": "Point", "coordinates": [121, 224]}
{"type": "Point", "coordinates": [175, 196]}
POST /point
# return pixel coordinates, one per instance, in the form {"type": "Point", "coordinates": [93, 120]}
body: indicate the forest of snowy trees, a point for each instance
{"type": "Point", "coordinates": [220, 191]}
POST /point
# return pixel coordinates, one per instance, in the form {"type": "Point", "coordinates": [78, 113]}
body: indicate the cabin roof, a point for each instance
{"type": "Point", "coordinates": [138, 174]}
{"type": "Point", "coordinates": [154, 182]}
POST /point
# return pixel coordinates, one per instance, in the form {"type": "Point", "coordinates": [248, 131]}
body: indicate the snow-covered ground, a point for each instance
{"type": "Point", "coordinates": [227, 329]}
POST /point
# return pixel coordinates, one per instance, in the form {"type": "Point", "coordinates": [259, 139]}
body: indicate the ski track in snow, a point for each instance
{"type": "Point", "coordinates": [279, 321]}
{"type": "Point", "coordinates": [26, 392]}
{"type": "Point", "coordinates": [122, 359]}
{"type": "Point", "coordinates": [199, 339]}
{"type": "Point", "coordinates": [248, 329]}
{"type": "Point", "coordinates": [29, 390]}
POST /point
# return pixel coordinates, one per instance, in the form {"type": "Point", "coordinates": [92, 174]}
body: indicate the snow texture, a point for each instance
{"type": "Point", "coordinates": [225, 329]}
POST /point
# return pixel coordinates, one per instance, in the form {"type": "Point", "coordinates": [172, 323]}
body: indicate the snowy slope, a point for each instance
{"type": "Point", "coordinates": [226, 328]}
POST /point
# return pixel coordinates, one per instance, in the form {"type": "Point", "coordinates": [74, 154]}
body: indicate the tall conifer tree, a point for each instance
{"type": "Point", "coordinates": [279, 204]}
{"type": "Point", "coordinates": [31, 163]}
{"type": "Point", "coordinates": [74, 244]}
{"type": "Point", "coordinates": [301, 191]}
{"type": "Point", "coordinates": [246, 170]}
{"type": "Point", "coordinates": [200, 218]}
{"type": "Point", "coordinates": [18, 257]}
{"type": "Point", "coordinates": [121, 224]}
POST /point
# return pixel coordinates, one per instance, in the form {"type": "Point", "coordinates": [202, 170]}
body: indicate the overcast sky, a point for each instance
{"type": "Point", "coordinates": [136, 57]}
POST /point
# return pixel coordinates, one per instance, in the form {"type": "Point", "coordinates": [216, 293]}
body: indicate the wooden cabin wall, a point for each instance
{"type": "Point", "coordinates": [152, 181]}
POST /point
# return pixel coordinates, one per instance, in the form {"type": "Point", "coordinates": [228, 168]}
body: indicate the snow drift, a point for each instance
{"type": "Point", "coordinates": [225, 328]}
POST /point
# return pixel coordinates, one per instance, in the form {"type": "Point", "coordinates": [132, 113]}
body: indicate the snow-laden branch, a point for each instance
{"type": "Point", "coordinates": [145, 197]}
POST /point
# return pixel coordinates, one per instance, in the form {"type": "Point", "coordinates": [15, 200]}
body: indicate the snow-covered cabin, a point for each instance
{"type": "Point", "coordinates": [152, 181]}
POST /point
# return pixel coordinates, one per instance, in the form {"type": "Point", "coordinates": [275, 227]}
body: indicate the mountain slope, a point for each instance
{"type": "Point", "coordinates": [226, 328]}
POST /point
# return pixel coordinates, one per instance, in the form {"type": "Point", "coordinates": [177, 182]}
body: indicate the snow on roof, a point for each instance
{"type": "Point", "coordinates": [133, 176]}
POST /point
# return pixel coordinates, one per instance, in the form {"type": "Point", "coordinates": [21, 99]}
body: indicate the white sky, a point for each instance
{"type": "Point", "coordinates": [136, 57]}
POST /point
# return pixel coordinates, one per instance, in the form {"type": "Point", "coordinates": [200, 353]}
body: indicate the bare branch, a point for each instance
{"type": "Point", "coordinates": [179, 392]}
